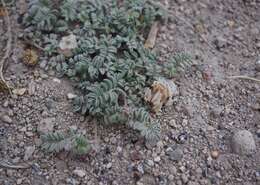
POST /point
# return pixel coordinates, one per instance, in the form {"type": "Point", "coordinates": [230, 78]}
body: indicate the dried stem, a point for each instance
{"type": "Point", "coordinates": [244, 77]}
{"type": "Point", "coordinates": [3, 84]}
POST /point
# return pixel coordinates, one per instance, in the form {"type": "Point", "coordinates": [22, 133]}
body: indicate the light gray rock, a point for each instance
{"type": "Point", "coordinates": [220, 42]}
{"type": "Point", "coordinates": [6, 104]}
{"type": "Point", "coordinates": [29, 152]}
{"type": "Point", "coordinates": [46, 125]}
{"type": "Point", "coordinates": [140, 168]}
{"type": "Point", "coordinates": [43, 64]}
{"type": "Point", "coordinates": [31, 88]}
{"type": "Point", "coordinates": [243, 143]}
{"type": "Point", "coordinates": [170, 178]}
{"type": "Point", "coordinates": [172, 123]}
{"type": "Point", "coordinates": [150, 162]}
{"type": "Point", "coordinates": [175, 154]}
{"type": "Point", "coordinates": [193, 183]}
{"type": "Point", "coordinates": [19, 181]}
{"type": "Point", "coordinates": [109, 165]}
{"type": "Point", "coordinates": [71, 96]}
{"type": "Point", "coordinates": [184, 178]}
{"type": "Point", "coordinates": [79, 173]}
{"type": "Point", "coordinates": [5, 118]}
{"type": "Point", "coordinates": [173, 170]}
{"type": "Point", "coordinates": [157, 159]}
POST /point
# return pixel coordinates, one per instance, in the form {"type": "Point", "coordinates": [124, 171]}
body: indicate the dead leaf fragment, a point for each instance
{"type": "Point", "coordinates": [147, 95]}
{"type": "Point", "coordinates": [3, 86]}
{"type": "Point", "coordinates": [30, 57]}
{"type": "Point", "coordinates": [3, 12]}
{"type": "Point", "coordinates": [150, 42]}
{"type": "Point", "coordinates": [160, 93]}
{"type": "Point", "coordinates": [231, 23]}
{"type": "Point", "coordinates": [20, 91]}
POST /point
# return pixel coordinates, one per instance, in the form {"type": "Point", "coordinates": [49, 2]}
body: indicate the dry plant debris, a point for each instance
{"type": "Point", "coordinates": [3, 85]}
{"type": "Point", "coordinates": [3, 11]}
{"type": "Point", "coordinates": [150, 42]}
{"type": "Point", "coordinates": [160, 93]}
{"type": "Point", "coordinates": [104, 54]}
{"type": "Point", "coordinates": [30, 57]}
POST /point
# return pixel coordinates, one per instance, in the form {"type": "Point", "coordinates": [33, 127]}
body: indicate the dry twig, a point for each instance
{"type": "Point", "coordinates": [244, 77]}
{"type": "Point", "coordinates": [3, 85]}
{"type": "Point", "coordinates": [5, 164]}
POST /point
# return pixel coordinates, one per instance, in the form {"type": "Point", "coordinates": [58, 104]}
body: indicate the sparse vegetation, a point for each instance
{"type": "Point", "coordinates": [72, 142]}
{"type": "Point", "coordinates": [109, 63]}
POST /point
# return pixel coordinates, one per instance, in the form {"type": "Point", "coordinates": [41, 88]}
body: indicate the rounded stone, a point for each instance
{"type": "Point", "coordinates": [46, 125]}
{"type": "Point", "coordinates": [175, 155]}
{"type": "Point", "coordinates": [6, 119]}
{"type": "Point", "coordinates": [214, 154]}
{"type": "Point", "coordinates": [243, 143]}
{"type": "Point", "coordinates": [171, 178]}
{"type": "Point", "coordinates": [79, 173]}
{"type": "Point", "coordinates": [184, 178]}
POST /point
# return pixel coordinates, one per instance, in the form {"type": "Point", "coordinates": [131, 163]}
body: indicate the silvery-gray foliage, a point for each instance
{"type": "Point", "coordinates": [110, 66]}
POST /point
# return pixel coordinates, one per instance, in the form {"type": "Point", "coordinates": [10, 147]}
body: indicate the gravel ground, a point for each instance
{"type": "Point", "coordinates": [211, 135]}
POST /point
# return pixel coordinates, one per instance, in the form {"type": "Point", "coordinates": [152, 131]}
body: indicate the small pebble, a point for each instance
{"type": "Point", "coordinates": [157, 159]}
{"type": "Point", "coordinates": [56, 80]}
{"type": "Point", "coordinates": [171, 177]}
{"type": "Point", "coordinates": [175, 155]}
{"type": "Point", "coordinates": [19, 92]}
{"type": "Point", "coordinates": [182, 138]}
{"type": "Point", "coordinates": [31, 88]}
{"type": "Point", "coordinates": [79, 173]}
{"type": "Point", "coordinates": [172, 123]}
{"type": "Point", "coordinates": [6, 119]}
{"type": "Point", "coordinates": [109, 165]}
{"type": "Point", "coordinates": [214, 154]}
{"type": "Point", "coordinates": [243, 143]}
{"type": "Point", "coordinates": [150, 163]}
{"type": "Point", "coordinates": [29, 152]}
{"type": "Point", "coordinates": [182, 169]}
{"type": "Point", "coordinates": [173, 170]}
{"type": "Point", "coordinates": [6, 103]}
{"type": "Point", "coordinates": [19, 181]}
{"type": "Point", "coordinates": [184, 178]}
{"type": "Point", "coordinates": [71, 96]}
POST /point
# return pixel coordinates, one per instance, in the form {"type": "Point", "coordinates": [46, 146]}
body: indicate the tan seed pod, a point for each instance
{"type": "Point", "coordinates": [3, 12]}
{"type": "Point", "coordinates": [30, 57]}
{"type": "Point", "coordinates": [214, 154]}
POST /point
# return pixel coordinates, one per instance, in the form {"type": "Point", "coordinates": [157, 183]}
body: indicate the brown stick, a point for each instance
{"type": "Point", "coordinates": [7, 51]}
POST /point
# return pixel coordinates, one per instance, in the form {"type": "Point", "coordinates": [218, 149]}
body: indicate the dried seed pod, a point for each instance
{"type": "Point", "coordinates": [214, 154]}
{"type": "Point", "coordinates": [3, 12]}
{"type": "Point", "coordinates": [30, 57]}
{"type": "Point", "coordinates": [160, 93]}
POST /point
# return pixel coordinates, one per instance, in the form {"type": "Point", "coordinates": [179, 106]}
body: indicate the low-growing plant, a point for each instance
{"type": "Point", "coordinates": [110, 65]}
{"type": "Point", "coordinates": [59, 141]}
